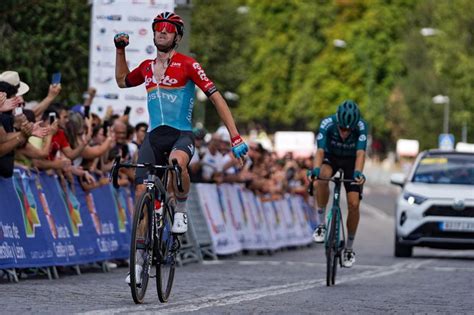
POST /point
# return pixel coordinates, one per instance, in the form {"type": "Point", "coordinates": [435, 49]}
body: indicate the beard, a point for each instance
{"type": "Point", "coordinates": [164, 48]}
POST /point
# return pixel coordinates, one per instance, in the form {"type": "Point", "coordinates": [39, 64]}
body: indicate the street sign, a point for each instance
{"type": "Point", "coordinates": [446, 141]}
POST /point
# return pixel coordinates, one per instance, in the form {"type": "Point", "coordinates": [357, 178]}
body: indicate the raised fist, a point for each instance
{"type": "Point", "coordinates": [121, 40]}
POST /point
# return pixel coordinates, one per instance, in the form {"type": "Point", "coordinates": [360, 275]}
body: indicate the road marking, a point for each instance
{"type": "Point", "coordinates": [235, 297]}
{"type": "Point", "coordinates": [296, 263]}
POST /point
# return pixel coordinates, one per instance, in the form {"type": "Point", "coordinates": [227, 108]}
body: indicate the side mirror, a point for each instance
{"type": "Point", "coordinates": [398, 179]}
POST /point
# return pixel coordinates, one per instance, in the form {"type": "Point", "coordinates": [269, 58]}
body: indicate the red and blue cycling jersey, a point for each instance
{"type": "Point", "coordinates": [171, 100]}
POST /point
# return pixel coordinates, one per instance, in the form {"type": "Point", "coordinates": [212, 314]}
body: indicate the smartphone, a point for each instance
{"type": "Point", "coordinates": [127, 110]}
{"type": "Point", "coordinates": [56, 78]}
{"type": "Point", "coordinates": [106, 127]}
{"type": "Point", "coordinates": [18, 111]}
{"type": "Point", "coordinates": [87, 110]}
{"type": "Point", "coordinates": [52, 118]}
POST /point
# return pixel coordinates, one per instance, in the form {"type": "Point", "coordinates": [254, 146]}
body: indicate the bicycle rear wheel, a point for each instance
{"type": "Point", "coordinates": [142, 241]}
{"type": "Point", "coordinates": [166, 257]}
{"type": "Point", "coordinates": [331, 250]}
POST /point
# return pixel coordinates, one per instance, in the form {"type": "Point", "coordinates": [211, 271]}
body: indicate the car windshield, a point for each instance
{"type": "Point", "coordinates": [446, 169]}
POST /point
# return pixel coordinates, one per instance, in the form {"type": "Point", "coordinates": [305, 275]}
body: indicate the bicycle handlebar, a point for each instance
{"type": "Point", "coordinates": [337, 179]}
{"type": "Point", "coordinates": [149, 166]}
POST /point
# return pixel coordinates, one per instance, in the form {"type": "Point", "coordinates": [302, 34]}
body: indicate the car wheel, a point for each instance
{"type": "Point", "coordinates": [402, 250]}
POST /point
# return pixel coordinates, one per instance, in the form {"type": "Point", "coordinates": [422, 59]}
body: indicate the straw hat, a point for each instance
{"type": "Point", "coordinates": [13, 78]}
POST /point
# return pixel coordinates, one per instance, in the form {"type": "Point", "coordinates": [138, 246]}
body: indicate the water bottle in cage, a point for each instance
{"type": "Point", "coordinates": [158, 207]}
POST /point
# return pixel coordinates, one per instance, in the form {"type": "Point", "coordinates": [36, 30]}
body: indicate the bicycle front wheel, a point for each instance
{"type": "Point", "coordinates": [141, 248]}
{"type": "Point", "coordinates": [331, 250]}
{"type": "Point", "coordinates": [167, 248]}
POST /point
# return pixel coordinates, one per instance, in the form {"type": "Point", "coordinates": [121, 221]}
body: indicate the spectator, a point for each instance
{"type": "Point", "coordinates": [13, 89]}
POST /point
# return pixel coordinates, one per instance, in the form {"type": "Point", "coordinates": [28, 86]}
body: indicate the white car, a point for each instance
{"type": "Point", "coordinates": [436, 205]}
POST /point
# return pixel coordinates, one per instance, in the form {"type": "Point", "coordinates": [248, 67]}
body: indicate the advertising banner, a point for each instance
{"type": "Point", "coordinates": [108, 18]}
{"type": "Point", "coordinates": [46, 222]}
{"type": "Point", "coordinates": [222, 233]}
{"type": "Point", "coordinates": [304, 231]}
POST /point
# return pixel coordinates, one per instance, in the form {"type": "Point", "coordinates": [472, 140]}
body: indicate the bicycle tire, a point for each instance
{"type": "Point", "coordinates": [331, 251]}
{"type": "Point", "coordinates": [336, 215]}
{"type": "Point", "coordinates": [166, 264]}
{"type": "Point", "coordinates": [143, 205]}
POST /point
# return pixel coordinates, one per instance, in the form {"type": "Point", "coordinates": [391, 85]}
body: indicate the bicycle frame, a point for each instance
{"type": "Point", "coordinates": [334, 244]}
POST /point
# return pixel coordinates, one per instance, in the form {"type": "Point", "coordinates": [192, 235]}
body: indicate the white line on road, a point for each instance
{"type": "Point", "coordinates": [235, 297]}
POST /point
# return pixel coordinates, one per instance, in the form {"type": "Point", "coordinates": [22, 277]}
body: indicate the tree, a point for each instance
{"type": "Point", "coordinates": [42, 37]}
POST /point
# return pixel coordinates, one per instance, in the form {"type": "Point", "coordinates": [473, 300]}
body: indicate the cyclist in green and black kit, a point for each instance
{"type": "Point", "coordinates": [342, 141]}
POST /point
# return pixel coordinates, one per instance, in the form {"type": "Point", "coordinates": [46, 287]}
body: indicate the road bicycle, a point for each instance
{"type": "Point", "coordinates": [335, 238]}
{"type": "Point", "coordinates": [153, 237]}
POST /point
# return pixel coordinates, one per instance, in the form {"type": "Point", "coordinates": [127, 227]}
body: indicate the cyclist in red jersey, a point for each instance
{"type": "Point", "coordinates": [170, 80]}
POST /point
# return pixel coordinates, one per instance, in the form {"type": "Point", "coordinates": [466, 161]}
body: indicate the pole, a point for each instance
{"type": "Point", "coordinates": [446, 117]}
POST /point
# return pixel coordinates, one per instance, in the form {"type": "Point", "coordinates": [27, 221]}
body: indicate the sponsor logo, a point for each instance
{"type": "Point", "coordinates": [200, 72]}
{"type": "Point", "coordinates": [175, 64]}
{"type": "Point", "coordinates": [150, 49]}
{"type": "Point", "coordinates": [104, 48]}
{"type": "Point", "coordinates": [142, 32]}
{"type": "Point", "coordinates": [326, 122]}
{"type": "Point", "coordinates": [103, 80]}
{"type": "Point", "coordinates": [108, 1]}
{"type": "Point", "coordinates": [103, 30]}
{"type": "Point", "coordinates": [104, 64]}
{"type": "Point", "coordinates": [129, 97]}
{"type": "Point", "coordinates": [361, 125]}
{"type": "Point", "coordinates": [110, 96]}
{"type": "Point", "coordinates": [138, 19]}
{"type": "Point", "coordinates": [129, 32]}
{"type": "Point", "coordinates": [362, 138]}
{"type": "Point", "coordinates": [191, 148]}
{"type": "Point", "coordinates": [114, 17]}
{"type": "Point", "coordinates": [162, 95]}
{"type": "Point", "coordinates": [168, 81]}
{"type": "Point", "coordinates": [140, 110]}
{"type": "Point", "coordinates": [320, 136]}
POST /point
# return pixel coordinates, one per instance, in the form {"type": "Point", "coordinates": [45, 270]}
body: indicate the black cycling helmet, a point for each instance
{"type": "Point", "coordinates": [348, 114]}
{"type": "Point", "coordinates": [172, 18]}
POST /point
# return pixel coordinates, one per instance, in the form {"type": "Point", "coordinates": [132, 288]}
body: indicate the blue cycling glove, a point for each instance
{"type": "Point", "coordinates": [314, 172]}
{"type": "Point", "coordinates": [121, 40]}
{"type": "Point", "coordinates": [359, 175]}
{"type": "Point", "coordinates": [239, 147]}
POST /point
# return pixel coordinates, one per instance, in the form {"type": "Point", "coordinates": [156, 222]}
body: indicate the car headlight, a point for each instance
{"type": "Point", "coordinates": [414, 199]}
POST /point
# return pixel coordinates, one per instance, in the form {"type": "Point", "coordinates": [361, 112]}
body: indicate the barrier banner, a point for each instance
{"type": "Point", "coordinates": [23, 239]}
{"type": "Point", "coordinates": [303, 230]}
{"type": "Point", "coordinates": [275, 239]}
{"type": "Point", "coordinates": [288, 221]}
{"type": "Point", "coordinates": [280, 224]}
{"type": "Point", "coordinates": [249, 223]}
{"type": "Point", "coordinates": [224, 239]}
{"type": "Point", "coordinates": [230, 194]}
{"type": "Point", "coordinates": [259, 229]}
{"type": "Point", "coordinates": [45, 222]}
{"type": "Point", "coordinates": [230, 218]}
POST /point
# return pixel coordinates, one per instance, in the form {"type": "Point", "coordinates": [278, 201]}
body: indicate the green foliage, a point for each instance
{"type": "Point", "coordinates": [279, 57]}
{"type": "Point", "coordinates": [42, 37]}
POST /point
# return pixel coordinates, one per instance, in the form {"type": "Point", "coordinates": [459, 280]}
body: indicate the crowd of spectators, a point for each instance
{"type": "Point", "coordinates": [53, 137]}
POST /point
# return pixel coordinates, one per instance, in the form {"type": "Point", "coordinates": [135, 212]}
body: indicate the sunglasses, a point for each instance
{"type": "Point", "coordinates": [169, 27]}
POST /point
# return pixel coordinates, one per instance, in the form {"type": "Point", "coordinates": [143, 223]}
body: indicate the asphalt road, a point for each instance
{"type": "Point", "coordinates": [288, 282]}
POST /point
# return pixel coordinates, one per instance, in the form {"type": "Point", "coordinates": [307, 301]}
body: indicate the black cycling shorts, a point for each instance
{"type": "Point", "coordinates": [347, 164]}
{"type": "Point", "coordinates": [158, 145]}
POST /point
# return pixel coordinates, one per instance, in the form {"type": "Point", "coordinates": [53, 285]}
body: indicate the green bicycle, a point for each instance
{"type": "Point", "coordinates": [335, 237]}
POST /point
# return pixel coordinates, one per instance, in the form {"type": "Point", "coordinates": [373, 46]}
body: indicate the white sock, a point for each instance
{"type": "Point", "coordinates": [322, 215]}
